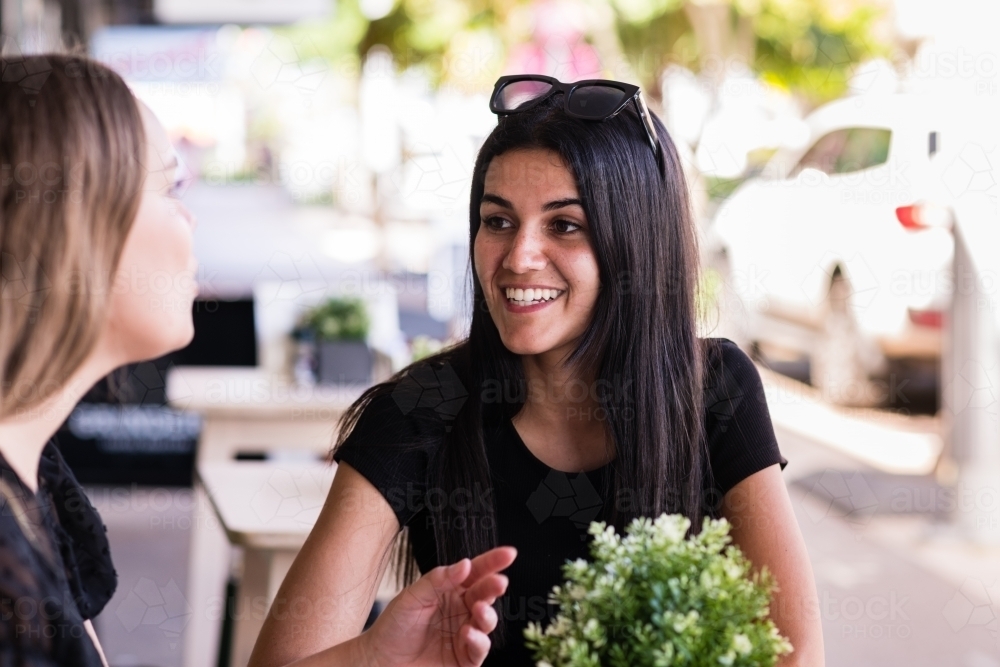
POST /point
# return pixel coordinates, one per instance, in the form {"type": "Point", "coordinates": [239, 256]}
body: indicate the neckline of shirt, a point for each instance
{"type": "Point", "coordinates": [25, 490]}
{"type": "Point", "coordinates": [519, 442]}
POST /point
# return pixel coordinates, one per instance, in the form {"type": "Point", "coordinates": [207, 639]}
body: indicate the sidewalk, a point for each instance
{"type": "Point", "coordinates": [893, 589]}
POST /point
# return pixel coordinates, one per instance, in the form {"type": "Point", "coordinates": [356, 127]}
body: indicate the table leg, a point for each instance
{"type": "Point", "coordinates": [263, 572]}
{"type": "Point", "coordinates": [208, 571]}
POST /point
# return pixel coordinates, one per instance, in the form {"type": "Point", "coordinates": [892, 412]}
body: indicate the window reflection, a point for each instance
{"type": "Point", "coordinates": [847, 150]}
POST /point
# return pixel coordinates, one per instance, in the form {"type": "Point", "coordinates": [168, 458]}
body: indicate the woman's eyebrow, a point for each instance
{"type": "Point", "coordinates": [496, 199]}
{"type": "Point", "coordinates": [548, 206]}
{"type": "Point", "coordinates": [170, 165]}
{"type": "Point", "coordinates": [561, 203]}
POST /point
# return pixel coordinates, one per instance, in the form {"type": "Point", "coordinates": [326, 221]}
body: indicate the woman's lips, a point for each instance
{"type": "Point", "coordinates": [518, 300]}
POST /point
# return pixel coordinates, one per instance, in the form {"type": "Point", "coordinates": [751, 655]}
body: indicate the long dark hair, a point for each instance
{"type": "Point", "coordinates": [641, 341]}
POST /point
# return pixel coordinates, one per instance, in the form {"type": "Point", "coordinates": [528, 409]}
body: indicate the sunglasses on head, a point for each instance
{"type": "Point", "coordinates": [593, 99]}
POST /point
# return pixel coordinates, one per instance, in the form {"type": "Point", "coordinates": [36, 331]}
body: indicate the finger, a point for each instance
{"type": "Point", "coordinates": [473, 646]}
{"type": "Point", "coordinates": [484, 616]}
{"type": "Point", "coordinates": [489, 562]}
{"type": "Point", "coordinates": [488, 588]}
{"type": "Point", "coordinates": [428, 589]}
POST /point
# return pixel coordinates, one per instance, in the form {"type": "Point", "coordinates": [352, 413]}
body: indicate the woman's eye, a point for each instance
{"type": "Point", "coordinates": [496, 222]}
{"type": "Point", "coordinates": [178, 187]}
{"type": "Point", "coordinates": [565, 226]}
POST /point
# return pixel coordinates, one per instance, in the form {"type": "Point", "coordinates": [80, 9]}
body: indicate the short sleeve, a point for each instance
{"type": "Point", "coordinates": [738, 428]}
{"type": "Point", "coordinates": [391, 445]}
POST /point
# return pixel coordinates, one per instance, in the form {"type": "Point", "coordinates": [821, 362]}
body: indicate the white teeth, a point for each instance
{"type": "Point", "coordinates": [524, 297]}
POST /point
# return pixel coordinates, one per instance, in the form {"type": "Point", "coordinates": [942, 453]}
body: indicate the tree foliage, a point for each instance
{"type": "Point", "coordinates": [808, 46]}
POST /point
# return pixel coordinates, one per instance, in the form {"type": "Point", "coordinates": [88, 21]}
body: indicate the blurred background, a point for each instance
{"type": "Point", "coordinates": [842, 159]}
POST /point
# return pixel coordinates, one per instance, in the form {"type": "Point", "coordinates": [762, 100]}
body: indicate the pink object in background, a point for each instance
{"type": "Point", "coordinates": [557, 47]}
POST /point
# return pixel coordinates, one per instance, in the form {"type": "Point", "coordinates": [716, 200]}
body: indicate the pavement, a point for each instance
{"type": "Point", "coordinates": [149, 529]}
{"type": "Point", "coordinates": [902, 588]}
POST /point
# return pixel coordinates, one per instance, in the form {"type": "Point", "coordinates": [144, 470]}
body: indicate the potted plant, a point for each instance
{"type": "Point", "coordinates": [654, 598]}
{"type": "Point", "coordinates": [334, 332]}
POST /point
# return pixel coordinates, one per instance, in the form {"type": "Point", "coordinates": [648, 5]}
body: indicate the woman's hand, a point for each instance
{"type": "Point", "coordinates": [444, 617]}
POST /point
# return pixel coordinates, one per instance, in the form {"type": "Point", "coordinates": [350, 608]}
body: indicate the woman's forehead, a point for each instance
{"type": "Point", "coordinates": [525, 170]}
{"type": "Point", "coordinates": [161, 159]}
{"type": "Point", "coordinates": [156, 134]}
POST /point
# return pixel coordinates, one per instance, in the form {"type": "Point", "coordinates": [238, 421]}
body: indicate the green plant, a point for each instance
{"type": "Point", "coordinates": [337, 319]}
{"type": "Point", "coordinates": [656, 599]}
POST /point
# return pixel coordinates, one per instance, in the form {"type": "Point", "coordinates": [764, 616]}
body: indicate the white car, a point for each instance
{"type": "Point", "coordinates": [841, 250]}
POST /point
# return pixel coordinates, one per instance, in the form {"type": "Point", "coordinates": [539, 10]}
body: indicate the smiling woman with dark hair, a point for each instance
{"type": "Point", "coordinates": [582, 392]}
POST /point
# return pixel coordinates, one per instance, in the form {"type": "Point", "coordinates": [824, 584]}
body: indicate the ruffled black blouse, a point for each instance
{"type": "Point", "coordinates": [55, 568]}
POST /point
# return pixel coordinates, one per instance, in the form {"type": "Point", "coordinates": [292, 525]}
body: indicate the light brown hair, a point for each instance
{"type": "Point", "coordinates": [72, 146]}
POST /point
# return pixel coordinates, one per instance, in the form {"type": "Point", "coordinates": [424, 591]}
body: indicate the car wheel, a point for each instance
{"type": "Point", "coordinates": [836, 364]}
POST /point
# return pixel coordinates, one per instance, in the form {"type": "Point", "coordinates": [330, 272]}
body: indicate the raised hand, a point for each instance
{"type": "Point", "coordinates": [444, 618]}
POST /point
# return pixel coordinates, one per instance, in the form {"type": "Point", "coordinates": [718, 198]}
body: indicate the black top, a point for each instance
{"type": "Point", "coordinates": [544, 512]}
{"type": "Point", "coordinates": [55, 568]}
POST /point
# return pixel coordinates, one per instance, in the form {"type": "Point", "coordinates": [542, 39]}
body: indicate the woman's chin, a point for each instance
{"type": "Point", "coordinates": [169, 339]}
{"type": "Point", "coordinates": [527, 345]}
{"type": "Point", "coordinates": [187, 336]}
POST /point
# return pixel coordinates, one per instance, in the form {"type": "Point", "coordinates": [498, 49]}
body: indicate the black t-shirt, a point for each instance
{"type": "Point", "coordinates": [55, 568]}
{"type": "Point", "coordinates": [543, 512]}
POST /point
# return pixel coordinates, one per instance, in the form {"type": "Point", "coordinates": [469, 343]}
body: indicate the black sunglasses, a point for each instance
{"type": "Point", "coordinates": [593, 99]}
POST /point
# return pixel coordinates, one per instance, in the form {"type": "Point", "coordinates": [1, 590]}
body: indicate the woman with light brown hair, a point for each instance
{"type": "Point", "coordinates": [88, 215]}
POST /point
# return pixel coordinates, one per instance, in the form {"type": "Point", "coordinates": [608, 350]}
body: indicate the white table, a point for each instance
{"type": "Point", "coordinates": [243, 409]}
{"type": "Point", "coordinates": [267, 509]}
{"type": "Point", "coordinates": [250, 409]}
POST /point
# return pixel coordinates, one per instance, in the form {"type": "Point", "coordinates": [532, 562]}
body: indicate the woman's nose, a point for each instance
{"type": "Point", "coordinates": [526, 252]}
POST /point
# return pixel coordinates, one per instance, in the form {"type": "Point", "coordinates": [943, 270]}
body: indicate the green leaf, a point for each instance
{"type": "Point", "coordinates": [337, 319]}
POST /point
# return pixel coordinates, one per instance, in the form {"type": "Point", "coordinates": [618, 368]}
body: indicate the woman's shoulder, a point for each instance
{"type": "Point", "coordinates": [393, 432]}
{"type": "Point", "coordinates": [49, 555]}
{"type": "Point", "coordinates": [720, 352]}
{"type": "Point", "coordinates": [738, 428]}
{"type": "Point", "coordinates": [730, 373]}
{"type": "Point", "coordinates": [432, 391]}
{"type": "Point", "coordinates": [419, 405]}
{"type": "Point", "coordinates": [731, 382]}
{"type": "Point", "coordinates": [82, 535]}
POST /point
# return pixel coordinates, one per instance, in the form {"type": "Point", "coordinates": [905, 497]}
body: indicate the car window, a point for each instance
{"type": "Point", "coordinates": [847, 150]}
